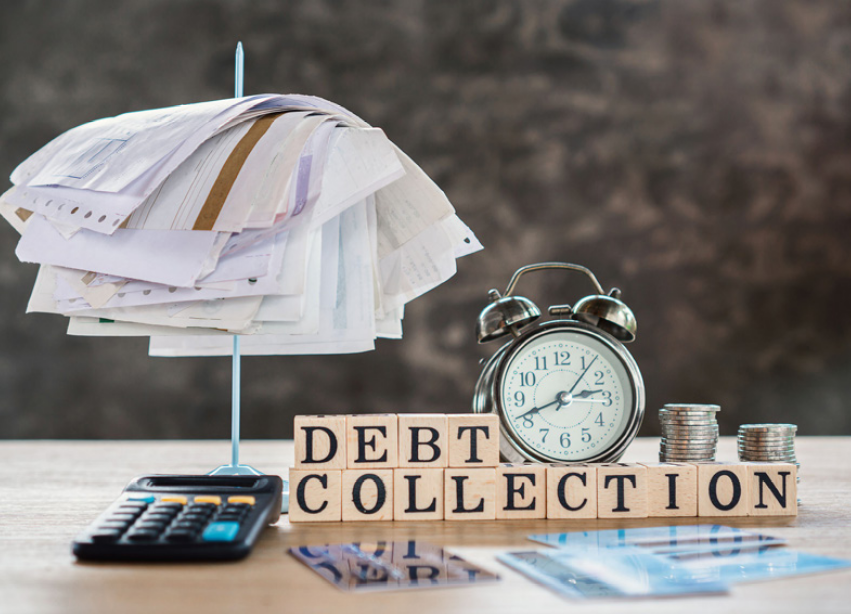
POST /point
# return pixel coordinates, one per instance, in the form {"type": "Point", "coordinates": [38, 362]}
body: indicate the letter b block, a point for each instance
{"type": "Point", "coordinates": [315, 495]}
{"type": "Point", "coordinates": [320, 442]}
{"type": "Point", "coordinates": [470, 494]}
{"type": "Point", "coordinates": [422, 440]}
{"type": "Point", "coordinates": [722, 489]}
{"type": "Point", "coordinates": [521, 491]}
{"type": "Point", "coordinates": [473, 440]}
{"type": "Point", "coordinates": [621, 490]}
{"type": "Point", "coordinates": [571, 491]}
{"type": "Point", "coordinates": [773, 489]}
{"type": "Point", "coordinates": [368, 494]}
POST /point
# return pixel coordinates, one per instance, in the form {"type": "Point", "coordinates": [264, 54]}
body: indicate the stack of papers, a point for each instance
{"type": "Point", "coordinates": [286, 219]}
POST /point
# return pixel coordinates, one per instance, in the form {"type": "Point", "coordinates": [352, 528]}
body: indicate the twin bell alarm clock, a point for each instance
{"type": "Point", "coordinates": [565, 390]}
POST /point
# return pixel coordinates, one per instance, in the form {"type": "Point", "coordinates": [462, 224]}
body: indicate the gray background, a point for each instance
{"type": "Point", "coordinates": [696, 154]}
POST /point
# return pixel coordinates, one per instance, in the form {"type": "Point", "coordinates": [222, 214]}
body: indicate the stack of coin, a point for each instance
{"type": "Point", "coordinates": [768, 443]}
{"type": "Point", "coordinates": [689, 432]}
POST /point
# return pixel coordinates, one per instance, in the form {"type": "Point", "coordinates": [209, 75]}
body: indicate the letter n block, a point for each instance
{"type": "Point", "coordinates": [368, 494]}
{"type": "Point", "coordinates": [470, 494]}
{"type": "Point", "coordinates": [571, 491]}
{"type": "Point", "coordinates": [773, 489]}
{"type": "Point", "coordinates": [671, 489]}
{"type": "Point", "coordinates": [372, 441]}
{"type": "Point", "coordinates": [418, 494]}
{"type": "Point", "coordinates": [621, 490]}
{"type": "Point", "coordinates": [473, 440]}
{"type": "Point", "coordinates": [422, 440]}
{"type": "Point", "coordinates": [315, 495]}
{"type": "Point", "coordinates": [521, 491]}
{"type": "Point", "coordinates": [320, 442]}
{"type": "Point", "coordinates": [722, 489]}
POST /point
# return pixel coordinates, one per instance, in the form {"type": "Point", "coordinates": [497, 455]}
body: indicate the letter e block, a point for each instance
{"type": "Point", "coordinates": [372, 441]}
{"type": "Point", "coordinates": [521, 491]}
{"type": "Point", "coordinates": [316, 496]}
{"type": "Point", "coordinates": [368, 494]}
{"type": "Point", "coordinates": [320, 442]}
{"type": "Point", "coordinates": [773, 489]}
{"type": "Point", "coordinates": [422, 440]}
{"type": "Point", "coordinates": [671, 489]}
{"type": "Point", "coordinates": [722, 489]}
{"type": "Point", "coordinates": [473, 440]}
{"type": "Point", "coordinates": [470, 494]}
{"type": "Point", "coordinates": [418, 494]}
{"type": "Point", "coordinates": [621, 490]}
{"type": "Point", "coordinates": [571, 491]}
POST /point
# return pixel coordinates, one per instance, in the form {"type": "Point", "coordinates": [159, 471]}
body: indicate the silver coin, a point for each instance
{"type": "Point", "coordinates": [767, 448]}
{"type": "Point", "coordinates": [689, 445]}
{"type": "Point", "coordinates": [688, 459]}
{"type": "Point", "coordinates": [691, 441]}
{"type": "Point", "coordinates": [692, 406]}
{"type": "Point", "coordinates": [769, 428]}
{"type": "Point", "coordinates": [690, 430]}
{"type": "Point", "coordinates": [687, 414]}
{"type": "Point", "coordinates": [688, 423]}
{"type": "Point", "coordinates": [767, 439]}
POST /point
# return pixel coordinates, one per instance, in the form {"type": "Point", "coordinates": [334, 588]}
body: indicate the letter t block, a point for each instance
{"type": "Point", "coordinates": [473, 440]}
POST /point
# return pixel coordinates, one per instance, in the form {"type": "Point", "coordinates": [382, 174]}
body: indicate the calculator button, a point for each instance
{"type": "Point", "coordinates": [229, 518]}
{"type": "Point", "coordinates": [195, 517]}
{"type": "Point", "coordinates": [246, 499]}
{"type": "Point", "coordinates": [201, 507]}
{"type": "Point", "coordinates": [190, 525]}
{"type": "Point", "coordinates": [143, 535]}
{"type": "Point", "coordinates": [167, 505]}
{"type": "Point", "coordinates": [180, 535]}
{"type": "Point", "coordinates": [133, 505]}
{"type": "Point", "coordinates": [121, 525]}
{"type": "Point", "coordinates": [215, 500]}
{"type": "Point", "coordinates": [163, 516]}
{"type": "Point", "coordinates": [175, 499]}
{"type": "Point", "coordinates": [236, 507]}
{"type": "Point", "coordinates": [154, 525]}
{"type": "Point", "coordinates": [143, 498]}
{"type": "Point", "coordinates": [105, 536]}
{"type": "Point", "coordinates": [220, 532]}
{"type": "Point", "coordinates": [123, 516]}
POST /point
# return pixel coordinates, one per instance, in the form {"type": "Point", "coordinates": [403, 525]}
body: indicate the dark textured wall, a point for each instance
{"type": "Point", "coordinates": [696, 154]}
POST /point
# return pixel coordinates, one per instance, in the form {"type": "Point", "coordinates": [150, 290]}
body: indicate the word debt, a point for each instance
{"type": "Point", "coordinates": [528, 491]}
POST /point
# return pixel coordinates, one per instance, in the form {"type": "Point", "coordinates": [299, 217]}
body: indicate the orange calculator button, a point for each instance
{"type": "Point", "coordinates": [215, 500]}
{"type": "Point", "coordinates": [241, 499]}
{"type": "Point", "coordinates": [174, 499]}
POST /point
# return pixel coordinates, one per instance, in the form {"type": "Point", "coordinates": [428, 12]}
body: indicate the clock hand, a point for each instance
{"type": "Point", "coordinates": [581, 376]}
{"type": "Point", "coordinates": [536, 409]}
{"type": "Point", "coordinates": [585, 393]}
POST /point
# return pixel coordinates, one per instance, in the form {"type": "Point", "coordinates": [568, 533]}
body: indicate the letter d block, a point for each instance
{"type": "Point", "coordinates": [372, 441]}
{"type": "Point", "coordinates": [722, 489]}
{"type": "Point", "coordinates": [418, 494]}
{"type": "Point", "coordinates": [521, 491]}
{"type": "Point", "coordinates": [422, 440]}
{"type": "Point", "coordinates": [470, 494]}
{"type": "Point", "coordinates": [473, 440]}
{"type": "Point", "coordinates": [621, 490]}
{"type": "Point", "coordinates": [571, 491]}
{"type": "Point", "coordinates": [320, 442]}
{"type": "Point", "coordinates": [671, 489]}
{"type": "Point", "coordinates": [773, 489]}
{"type": "Point", "coordinates": [368, 494]}
{"type": "Point", "coordinates": [316, 496]}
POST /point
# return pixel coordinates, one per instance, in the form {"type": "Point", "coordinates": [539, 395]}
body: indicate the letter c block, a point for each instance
{"type": "Point", "coordinates": [315, 496]}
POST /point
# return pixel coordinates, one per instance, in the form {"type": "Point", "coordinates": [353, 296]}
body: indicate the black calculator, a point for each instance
{"type": "Point", "coordinates": [183, 518]}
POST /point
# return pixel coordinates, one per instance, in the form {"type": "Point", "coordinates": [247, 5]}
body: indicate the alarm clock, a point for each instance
{"type": "Point", "coordinates": [565, 390]}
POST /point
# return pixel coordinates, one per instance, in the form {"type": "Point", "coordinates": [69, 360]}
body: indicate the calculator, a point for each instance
{"type": "Point", "coordinates": [183, 518]}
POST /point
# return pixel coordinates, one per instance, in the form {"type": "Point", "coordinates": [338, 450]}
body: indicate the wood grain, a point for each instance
{"type": "Point", "coordinates": [51, 490]}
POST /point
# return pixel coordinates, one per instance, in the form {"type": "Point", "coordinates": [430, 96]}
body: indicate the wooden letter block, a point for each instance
{"type": "Point", "coordinates": [571, 491]}
{"type": "Point", "coordinates": [722, 489]}
{"type": "Point", "coordinates": [316, 495]}
{"type": "Point", "coordinates": [368, 494]}
{"type": "Point", "coordinates": [320, 442]}
{"type": "Point", "coordinates": [773, 489]}
{"type": "Point", "coordinates": [418, 494]}
{"type": "Point", "coordinates": [422, 440]}
{"type": "Point", "coordinates": [470, 494]}
{"type": "Point", "coordinates": [473, 440]}
{"type": "Point", "coordinates": [671, 489]}
{"type": "Point", "coordinates": [521, 491]}
{"type": "Point", "coordinates": [621, 490]}
{"type": "Point", "coordinates": [372, 441]}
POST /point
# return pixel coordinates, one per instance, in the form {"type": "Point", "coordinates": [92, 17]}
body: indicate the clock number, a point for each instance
{"type": "Point", "coordinates": [540, 363]}
{"type": "Point", "coordinates": [519, 398]}
{"type": "Point", "coordinates": [599, 376]}
{"type": "Point", "coordinates": [599, 419]}
{"type": "Point", "coordinates": [608, 396]}
{"type": "Point", "coordinates": [527, 422]}
{"type": "Point", "coordinates": [586, 436]}
{"type": "Point", "coordinates": [561, 358]}
{"type": "Point", "coordinates": [564, 440]}
{"type": "Point", "coordinates": [544, 436]}
{"type": "Point", "coordinates": [527, 378]}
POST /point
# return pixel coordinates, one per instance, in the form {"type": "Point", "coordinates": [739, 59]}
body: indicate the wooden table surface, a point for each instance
{"type": "Point", "coordinates": [50, 490]}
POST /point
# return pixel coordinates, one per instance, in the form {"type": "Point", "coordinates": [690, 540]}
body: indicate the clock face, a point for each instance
{"type": "Point", "coordinates": [567, 395]}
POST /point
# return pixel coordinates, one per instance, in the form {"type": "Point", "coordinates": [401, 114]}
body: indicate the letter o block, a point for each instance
{"type": "Point", "coordinates": [368, 494]}
{"type": "Point", "coordinates": [722, 489]}
{"type": "Point", "coordinates": [571, 491]}
{"type": "Point", "coordinates": [315, 496]}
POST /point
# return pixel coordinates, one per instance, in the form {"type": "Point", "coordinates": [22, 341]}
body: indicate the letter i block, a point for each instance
{"type": "Point", "coordinates": [422, 440]}
{"type": "Point", "coordinates": [621, 490]}
{"type": "Point", "coordinates": [418, 494]}
{"type": "Point", "coordinates": [473, 440]}
{"type": "Point", "coordinates": [368, 494]}
{"type": "Point", "coordinates": [316, 495]}
{"type": "Point", "coordinates": [671, 489]}
{"type": "Point", "coordinates": [521, 491]}
{"type": "Point", "coordinates": [722, 489]}
{"type": "Point", "coordinates": [773, 489]}
{"type": "Point", "coordinates": [372, 441]}
{"type": "Point", "coordinates": [571, 491]}
{"type": "Point", "coordinates": [320, 442]}
{"type": "Point", "coordinates": [470, 494]}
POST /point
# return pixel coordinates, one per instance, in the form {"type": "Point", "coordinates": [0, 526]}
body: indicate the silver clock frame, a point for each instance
{"type": "Point", "coordinates": [488, 400]}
